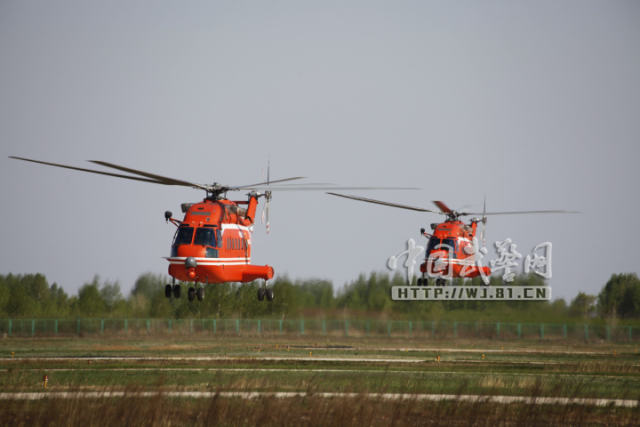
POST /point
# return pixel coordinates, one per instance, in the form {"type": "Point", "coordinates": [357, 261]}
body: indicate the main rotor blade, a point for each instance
{"type": "Point", "coordinates": [160, 178]}
{"type": "Point", "coordinates": [443, 208]}
{"type": "Point", "coordinates": [307, 184]}
{"type": "Point", "coordinates": [521, 212]}
{"type": "Point", "coordinates": [267, 182]}
{"type": "Point", "coordinates": [302, 187]}
{"type": "Point", "coordinates": [117, 175]}
{"type": "Point", "coordinates": [380, 202]}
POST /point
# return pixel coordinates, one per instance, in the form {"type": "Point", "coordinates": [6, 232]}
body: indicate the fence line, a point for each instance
{"type": "Point", "coordinates": [331, 327]}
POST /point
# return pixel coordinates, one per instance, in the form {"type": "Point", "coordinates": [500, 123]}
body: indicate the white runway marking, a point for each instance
{"type": "Point", "coordinates": [316, 370]}
{"type": "Point", "coordinates": [300, 358]}
{"type": "Point", "coordinates": [511, 351]}
{"type": "Point", "coordinates": [505, 350]}
{"type": "Point", "coordinates": [471, 398]}
{"type": "Point", "coordinates": [219, 358]}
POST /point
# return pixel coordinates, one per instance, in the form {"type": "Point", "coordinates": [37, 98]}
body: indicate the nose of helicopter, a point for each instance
{"type": "Point", "coordinates": [190, 264]}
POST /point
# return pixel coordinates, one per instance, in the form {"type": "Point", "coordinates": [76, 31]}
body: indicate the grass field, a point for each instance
{"type": "Point", "coordinates": [326, 381]}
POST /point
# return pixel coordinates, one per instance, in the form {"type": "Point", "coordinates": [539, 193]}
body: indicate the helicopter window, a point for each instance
{"type": "Point", "coordinates": [184, 236]}
{"type": "Point", "coordinates": [212, 253]}
{"type": "Point", "coordinates": [205, 237]}
{"type": "Point", "coordinates": [433, 242]}
{"type": "Point", "coordinates": [444, 244]}
{"type": "Point", "coordinates": [449, 245]}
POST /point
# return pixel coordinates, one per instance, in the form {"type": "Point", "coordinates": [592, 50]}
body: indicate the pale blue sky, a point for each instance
{"type": "Point", "coordinates": [535, 104]}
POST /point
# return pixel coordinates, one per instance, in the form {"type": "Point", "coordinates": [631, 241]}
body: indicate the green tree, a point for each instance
{"type": "Point", "coordinates": [583, 306]}
{"type": "Point", "coordinates": [285, 303]}
{"type": "Point", "coordinates": [5, 296]}
{"type": "Point", "coordinates": [147, 297]}
{"type": "Point", "coordinates": [620, 296]}
{"type": "Point", "coordinates": [90, 301]}
{"type": "Point", "coordinates": [27, 295]}
{"type": "Point", "coordinates": [114, 302]}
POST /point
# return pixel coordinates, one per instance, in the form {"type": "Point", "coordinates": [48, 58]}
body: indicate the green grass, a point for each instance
{"type": "Point", "coordinates": [530, 369]}
{"type": "Point", "coordinates": [603, 371]}
{"type": "Point", "coordinates": [380, 379]}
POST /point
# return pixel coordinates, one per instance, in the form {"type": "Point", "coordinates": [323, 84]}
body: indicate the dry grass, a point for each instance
{"type": "Point", "coordinates": [299, 411]}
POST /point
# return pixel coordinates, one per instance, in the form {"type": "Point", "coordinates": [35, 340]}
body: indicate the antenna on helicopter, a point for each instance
{"type": "Point", "coordinates": [267, 197]}
{"type": "Point", "coordinates": [484, 221]}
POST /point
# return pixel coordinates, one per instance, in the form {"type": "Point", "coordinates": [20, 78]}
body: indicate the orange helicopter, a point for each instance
{"type": "Point", "coordinates": [212, 243]}
{"type": "Point", "coordinates": [451, 250]}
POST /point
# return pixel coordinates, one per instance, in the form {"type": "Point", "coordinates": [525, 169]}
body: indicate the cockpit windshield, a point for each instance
{"type": "Point", "coordinates": [433, 242]}
{"type": "Point", "coordinates": [184, 235]}
{"type": "Point", "coordinates": [448, 245]}
{"type": "Point", "coordinates": [205, 236]}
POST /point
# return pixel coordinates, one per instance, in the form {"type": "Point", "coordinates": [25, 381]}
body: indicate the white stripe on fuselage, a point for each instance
{"type": "Point", "coordinates": [225, 226]}
{"type": "Point", "coordinates": [238, 227]}
{"type": "Point", "coordinates": [211, 261]}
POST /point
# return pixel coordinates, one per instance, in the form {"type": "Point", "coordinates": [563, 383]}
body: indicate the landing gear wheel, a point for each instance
{"type": "Point", "coordinates": [200, 294]}
{"type": "Point", "coordinates": [176, 291]}
{"type": "Point", "coordinates": [168, 291]}
{"type": "Point", "coordinates": [191, 293]}
{"type": "Point", "coordinates": [269, 294]}
{"type": "Point", "coordinates": [261, 293]}
{"type": "Point", "coordinates": [441, 282]}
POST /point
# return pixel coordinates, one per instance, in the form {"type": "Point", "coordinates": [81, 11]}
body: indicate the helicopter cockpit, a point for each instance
{"type": "Point", "coordinates": [206, 236]}
{"type": "Point", "coordinates": [436, 243]}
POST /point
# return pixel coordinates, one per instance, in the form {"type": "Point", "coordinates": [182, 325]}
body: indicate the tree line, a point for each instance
{"type": "Point", "coordinates": [31, 296]}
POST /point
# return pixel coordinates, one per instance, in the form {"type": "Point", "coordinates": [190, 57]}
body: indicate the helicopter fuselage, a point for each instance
{"type": "Point", "coordinates": [450, 251]}
{"type": "Point", "coordinates": [213, 243]}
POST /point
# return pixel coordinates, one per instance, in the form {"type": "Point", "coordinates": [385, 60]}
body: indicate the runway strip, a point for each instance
{"type": "Point", "coordinates": [314, 370]}
{"type": "Point", "coordinates": [216, 358]}
{"type": "Point", "coordinates": [507, 350]}
{"type": "Point", "coordinates": [470, 398]}
{"type": "Point", "coordinates": [249, 358]}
